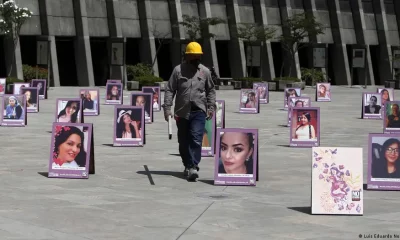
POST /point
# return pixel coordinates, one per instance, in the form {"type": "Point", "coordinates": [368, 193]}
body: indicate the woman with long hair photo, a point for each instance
{"type": "Point", "coordinates": [113, 92]}
{"type": "Point", "coordinates": [388, 165]}
{"type": "Point", "coordinates": [69, 151]}
{"type": "Point", "coordinates": [236, 153]}
{"type": "Point", "coordinates": [385, 96]}
{"type": "Point", "coordinates": [126, 126]}
{"type": "Point", "coordinates": [70, 112]}
{"type": "Point", "coordinates": [323, 92]}
{"type": "Point", "coordinates": [305, 131]}
{"type": "Point", "coordinates": [251, 101]}
{"type": "Point", "coordinates": [291, 92]}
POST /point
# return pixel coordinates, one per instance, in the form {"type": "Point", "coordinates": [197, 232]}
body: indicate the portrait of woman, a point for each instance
{"type": "Point", "coordinates": [392, 115]}
{"type": "Point", "coordinates": [40, 85]}
{"type": "Point", "coordinates": [156, 92]}
{"type": "Point", "coordinates": [128, 124]}
{"type": "Point", "coordinates": [249, 99]}
{"type": "Point", "coordinates": [69, 150]}
{"type": "Point", "coordinates": [236, 153]}
{"type": "Point", "coordinates": [113, 92]}
{"type": "Point", "coordinates": [304, 125]}
{"type": "Point", "coordinates": [385, 160]}
{"type": "Point", "coordinates": [323, 91]}
{"type": "Point", "coordinates": [31, 97]}
{"type": "Point", "coordinates": [387, 95]}
{"type": "Point", "coordinates": [18, 86]}
{"type": "Point", "coordinates": [297, 102]}
{"type": "Point", "coordinates": [13, 108]}
{"type": "Point", "coordinates": [291, 92]}
{"type": "Point", "coordinates": [261, 90]}
{"type": "Point", "coordinates": [70, 111]}
{"type": "Point", "coordinates": [143, 101]}
{"type": "Point", "coordinates": [372, 104]}
{"type": "Point", "coordinates": [89, 100]}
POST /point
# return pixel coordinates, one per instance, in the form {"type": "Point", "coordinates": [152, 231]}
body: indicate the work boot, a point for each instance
{"type": "Point", "coordinates": [186, 172]}
{"type": "Point", "coordinates": [193, 174]}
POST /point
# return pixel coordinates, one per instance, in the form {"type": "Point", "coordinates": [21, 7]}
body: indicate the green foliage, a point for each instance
{"type": "Point", "coordinates": [290, 79]}
{"type": "Point", "coordinates": [29, 73]}
{"type": "Point", "coordinates": [253, 32]}
{"type": "Point", "coordinates": [197, 28]}
{"type": "Point", "coordinates": [13, 17]}
{"type": "Point", "coordinates": [148, 80]}
{"type": "Point", "coordinates": [138, 70]}
{"type": "Point", "coordinates": [313, 75]}
{"type": "Point", "coordinates": [248, 79]}
{"type": "Point", "coordinates": [11, 80]}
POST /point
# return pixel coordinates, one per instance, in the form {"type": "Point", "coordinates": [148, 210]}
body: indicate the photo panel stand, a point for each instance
{"type": "Point", "coordinates": [300, 135]}
{"type": "Point", "coordinates": [36, 90]}
{"type": "Point", "coordinates": [205, 151]}
{"type": "Point", "coordinates": [117, 59]}
{"type": "Point", "coordinates": [43, 59]}
{"type": "Point", "coordinates": [12, 122]}
{"type": "Point", "coordinates": [375, 116]}
{"type": "Point", "coordinates": [120, 141]}
{"type": "Point", "coordinates": [97, 110]}
{"type": "Point", "coordinates": [81, 115]}
{"type": "Point", "coordinates": [320, 61]}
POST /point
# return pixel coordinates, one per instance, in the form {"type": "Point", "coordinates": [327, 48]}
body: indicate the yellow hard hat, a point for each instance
{"type": "Point", "coordinates": [193, 48]}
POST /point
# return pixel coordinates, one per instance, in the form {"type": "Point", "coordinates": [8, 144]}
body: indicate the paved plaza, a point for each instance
{"type": "Point", "coordinates": [120, 202]}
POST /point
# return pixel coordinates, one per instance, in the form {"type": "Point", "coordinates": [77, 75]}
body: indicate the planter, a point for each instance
{"type": "Point", "coordinates": [272, 86]}
{"type": "Point", "coordinates": [132, 85]}
{"type": "Point", "coordinates": [237, 84]}
{"type": "Point", "coordinates": [290, 84]}
{"type": "Point", "coordinates": [9, 88]}
{"type": "Point", "coordinates": [162, 85]}
{"type": "Point", "coordinates": [247, 84]}
{"type": "Point", "coordinates": [392, 84]}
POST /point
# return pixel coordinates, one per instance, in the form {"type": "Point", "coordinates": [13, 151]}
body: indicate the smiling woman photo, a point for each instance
{"type": "Point", "coordinates": [70, 113]}
{"type": "Point", "coordinates": [236, 153]}
{"type": "Point", "coordinates": [388, 164]}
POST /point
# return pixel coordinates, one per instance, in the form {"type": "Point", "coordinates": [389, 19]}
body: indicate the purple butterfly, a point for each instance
{"type": "Point", "coordinates": [321, 176]}
{"type": "Point", "coordinates": [325, 171]}
{"type": "Point", "coordinates": [358, 208]}
{"type": "Point", "coordinates": [315, 165]}
{"type": "Point", "coordinates": [315, 154]}
{"type": "Point", "coordinates": [333, 164]}
{"type": "Point", "coordinates": [326, 165]}
{"type": "Point", "coordinates": [334, 151]}
{"type": "Point", "coordinates": [347, 189]}
{"type": "Point", "coordinates": [347, 173]}
{"type": "Point", "coordinates": [318, 158]}
{"type": "Point", "coordinates": [341, 167]}
{"type": "Point", "coordinates": [341, 207]}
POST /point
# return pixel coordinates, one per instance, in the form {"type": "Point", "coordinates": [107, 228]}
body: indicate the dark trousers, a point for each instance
{"type": "Point", "coordinates": [190, 138]}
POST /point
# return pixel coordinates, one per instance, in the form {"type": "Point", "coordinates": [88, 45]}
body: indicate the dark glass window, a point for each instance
{"type": "Point", "coordinates": [389, 7]}
{"type": "Point", "coordinates": [217, 1]}
{"type": "Point", "coordinates": [345, 5]}
{"type": "Point", "coordinates": [367, 6]}
{"type": "Point", "coordinates": [271, 3]}
{"type": "Point", "coordinates": [297, 4]}
{"type": "Point", "coordinates": [189, 1]}
{"type": "Point", "coordinates": [245, 2]}
{"type": "Point", "coordinates": [321, 4]}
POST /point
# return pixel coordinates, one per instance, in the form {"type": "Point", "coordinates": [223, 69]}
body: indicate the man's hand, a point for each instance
{"type": "Point", "coordinates": [210, 114]}
{"type": "Point", "coordinates": [167, 114]}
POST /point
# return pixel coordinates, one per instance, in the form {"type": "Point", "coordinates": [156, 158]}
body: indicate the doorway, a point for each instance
{"type": "Point", "coordinates": [3, 69]}
{"type": "Point", "coordinates": [164, 60]}
{"type": "Point", "coordinates": [101, 70]}
{"type": "Point", "coordinates": [66, 61]}
{"type": "Point", "coordinates": [28, 50]}
{"type": "Point", "coordinates": [223, 58]}
{"type": "Point", "coordinates": [277, 55]}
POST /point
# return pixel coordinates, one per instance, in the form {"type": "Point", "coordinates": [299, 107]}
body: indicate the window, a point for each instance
{"type": "Point", "coordinates": [345, 5]}
{"type": "Point", "coordinates": [245, 2]}
{"type": "Point", "coordinates": [367, 6]}
{"type": "Point", "coordinates": [321, 5]}
{"type": "Point", "coordinates": [271, 3]}
{"type": "Point", "coordinates": [217, 1]}
{"type": "Point", "coordinates": [297, 4]}
{"type": "Point", "coordinates": [389, 7]}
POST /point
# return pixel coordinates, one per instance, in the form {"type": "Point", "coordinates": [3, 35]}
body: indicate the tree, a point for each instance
{"type": "Point", "coordinates": [298, 28]}
{"type": "Point", "coordinates": [13, 17]}
{"type": "Point", "coordinates": [162, 39]}
{"type": "Point", "coordinates": [254, 33]}
{"type": "Point", "coordinates": [197, 28]}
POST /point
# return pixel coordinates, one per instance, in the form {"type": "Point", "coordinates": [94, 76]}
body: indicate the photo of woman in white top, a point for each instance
{"type": "Point", "coordinates": [304, 130]}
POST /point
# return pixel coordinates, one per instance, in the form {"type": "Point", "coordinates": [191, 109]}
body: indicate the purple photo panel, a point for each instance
{"type": "Point", "coordinates": [233, 167]}
{"type": "Point", "coordinates": [70, 150]}
{"type": "Point", "coordinates": [297, 102]}
{"type": "Point", "coordinates": [383, 161]}
{"type": "Point", "coordinates": [248, 101]}
{"type": "Point", "coordinates": [2, 107]}
{"type": "Point", "coordinates": [129, 117]}
{"type": "Point", "coordinates": [69, 110]}
{"type": "Point", "coordinates": [2, 86]}
{"type": "Point", "coordinates": [208, 145]}
{"type": "Point", "coordinates": [41, 84]}
{"type": "Point", "coordinates": [305, 127]}
{"type": "Point", "coordinates": [17, 87]}
{"type": "Point", "coordinates": [372, 105]}
{"type": "Point", "coordinates": [14, 111]}
{"type": "Point", "coordinates": [141, 99]}
{"type": "Point", "coordinates": [391, 117]}
{"type": "Point", "coordinates": [113, 81]}
{"type": "Point", "coordinates": [290, 92]}
{"type": "Point", "coordinates": [387, 96]}
{"type": "Point", "coordinates": [262, 91]}
{"type": "Point", "coordinates": [156, 97]}
{"type": "Point", "coordinates": [114, 94]}
{"type": "Point", "coordinates": [90, 101]}
{"type": "Point", "coordinates": [31, 98]}
{"type": "Point", "coordinates": [323, 92]}
{"type": "Point", "coordinates": [220, 114]}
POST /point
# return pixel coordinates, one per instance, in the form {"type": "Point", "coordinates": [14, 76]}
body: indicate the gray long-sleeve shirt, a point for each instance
{"type": "Point", "coordinates": [192, 87]}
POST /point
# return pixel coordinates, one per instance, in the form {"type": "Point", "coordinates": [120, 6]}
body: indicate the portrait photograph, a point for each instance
{"type": "Point", "coordinates": [290, 92]}
{"type": "Point", "coordinates": [14, 110]}
{"type": "Point", "coordinates": [220, 114]}
{"type": "Point", "coordinates": [70, 150]}
{"type": "Point", "coordinates": [305, 127]}
{"type": "Point", "coordinates": [387, 95]}
{"type": "Point", "coordinates": [372, 106]}
{"type": "Point", "coordinates": [262, 91]}
{"type": "Point", "coordinates": [69, 110]}
{"type": "Point", "coordinates": [297, 102]}
{"type": "Point", "coordinates": [1, 109]}
{"type": "Point", "coordinates": [2, 86]}
{"type": "Point", "coordinates": [31, 98]}
{"type": "Point", "coordinates": [208, 144]}
{"type": "Point", "coordinates": [90, 101]}
{"type": "Point", "coordinates": [141, 99]}
{"type": "Point", "coordinates": [41, 85]}
{"type": "Point", "coordinates": [156, 97]}
{"type": "Point", "coordinates": [129, 126]}
{"type": "Point", "coordinates": [391, 117]}
{"type": "Point", "coordinates": [384, 162]}
{"type": "Point", "coordinates": [337, 181]}
{"type": "Point", "coordinates": [17, 87]}
{"type": "Point", "coordinates": [236, 156]}
{"type": "Point", "coordinates": [114, 93]}
{"type": "Point", "coordinates": [323, 92]}
{"type": "Point", "coordinates": [248, 101]}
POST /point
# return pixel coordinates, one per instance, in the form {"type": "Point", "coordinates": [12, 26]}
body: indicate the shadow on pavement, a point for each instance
{"type": "Point", "coordinates": [282, 125]}
{"type": "Point", "coordinates": [162, 173]}
{"type": "Point", "coordinates": [283, 145]}
{"type": "Point", "coordinates": [108, 144]}
{"type": "Point", "coordinates": [207, 181]}
{"type": "Point", "coordinates": [306, 210]}
{"type": "Point", "coordinates": [175, 154]}
{"type": "Point", "coordinates": [44, 174]}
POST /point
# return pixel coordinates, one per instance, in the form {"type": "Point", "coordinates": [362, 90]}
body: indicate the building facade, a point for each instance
{"type": "Point", "coordinates": [80, 33]}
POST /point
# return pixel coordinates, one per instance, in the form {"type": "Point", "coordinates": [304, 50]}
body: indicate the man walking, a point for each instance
{"type": "Point", "coordinates": [192, 84]}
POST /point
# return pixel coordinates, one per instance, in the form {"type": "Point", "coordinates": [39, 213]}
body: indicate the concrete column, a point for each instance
{"type": "Point", "coordinates": [114, 26]}
{"type": "Point", "coordinates": [13, 58]}
{"type": "Point", "coordinates": [83, 53]}
{"type": "Point", "coordinates": [385, 52]}
{"type": "Point", "coordinates": [340, 61]}
{"type": "Point", "coordinates": [45, 23]}
{"type": "Point", "coordinates": [147, 43]}
{"type": "Point", "coordinates": [237, 56]}
{"type": "Point", "coordinates": [359, 27]}
{"type": "Point", "coordinates": [267, 60]}
{"type": "Point", "coordinates": [285, 10]}
{"type": "Point", "coordinates": [175, 12]}
{"type": "Point", "coordinates": [210, 58]}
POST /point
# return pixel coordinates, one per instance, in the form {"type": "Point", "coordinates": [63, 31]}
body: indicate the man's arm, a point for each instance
{"type": "Point", "coordinates": [170, 91]}
{"type": "Point", "coordinates": [211, 95]}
